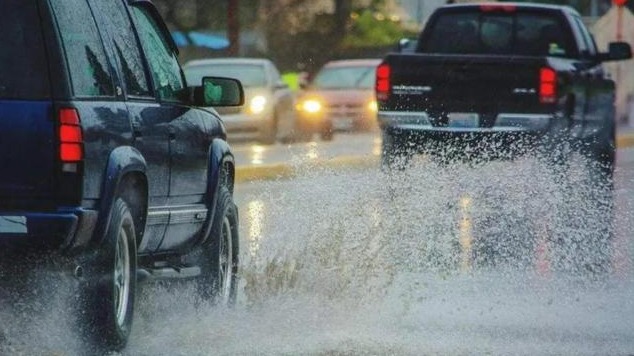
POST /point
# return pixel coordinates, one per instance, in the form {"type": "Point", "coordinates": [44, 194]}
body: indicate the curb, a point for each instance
{"type": "Point", "coordinates": [625, 140]}
{"type": "Point", "coordinates": [277, 171]}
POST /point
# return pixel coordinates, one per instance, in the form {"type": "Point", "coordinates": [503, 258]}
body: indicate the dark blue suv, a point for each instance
{"type": "Point", "coordinates": [106, 160]}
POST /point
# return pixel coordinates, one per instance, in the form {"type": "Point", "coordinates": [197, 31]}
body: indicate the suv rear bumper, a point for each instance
{"type": "Point", "coordinates": [66, 231]}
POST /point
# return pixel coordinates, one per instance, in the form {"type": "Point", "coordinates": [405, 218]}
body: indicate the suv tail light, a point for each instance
{"type": "Point", "coordinates": [383, 85]}
{"type": "Point", "coordinates": [547, 85]}
{"type": "Point", "coordinates": [71, 140]}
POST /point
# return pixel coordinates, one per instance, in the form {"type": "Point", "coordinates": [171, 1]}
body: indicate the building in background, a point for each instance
{"type": "Point", "coordinates": [419, 10]}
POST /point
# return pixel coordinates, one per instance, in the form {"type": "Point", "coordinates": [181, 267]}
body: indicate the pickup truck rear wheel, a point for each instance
{"type": "Point", "coordinates": [602, 166]}
{"type": "Point", "coordinates": [109, 289]}
{"type": "Point", "coordinates": [393, 153]}
{"type": "Point", "coordinates": [218, 258]}
{"type": "Point", "coordinates": [594, 251]}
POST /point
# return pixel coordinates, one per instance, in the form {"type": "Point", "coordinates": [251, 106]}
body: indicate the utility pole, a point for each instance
{"type": "Point", "coordinates": [233, 27]}
{"type": "Point", "coordinates": [594, 9]}
{"type": "Point", "coordinates": [619, 37]}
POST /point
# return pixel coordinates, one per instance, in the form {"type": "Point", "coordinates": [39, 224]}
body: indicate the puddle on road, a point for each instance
{"type": "Point", "coordinates": [439, 259]}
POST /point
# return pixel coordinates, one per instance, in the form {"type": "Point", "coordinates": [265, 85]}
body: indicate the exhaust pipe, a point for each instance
{"type": "Point", "coordinates": [78, 272]}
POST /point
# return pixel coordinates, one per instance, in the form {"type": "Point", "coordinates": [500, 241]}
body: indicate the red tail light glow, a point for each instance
{"type": "Point", "coordinates": [70, 136]}
{"type": "Point", "coordinates": [547, 86]}
{"type": "Point", "coordinates": [496, 7]}
{"type": "Point", "coordinates": [383, 84]}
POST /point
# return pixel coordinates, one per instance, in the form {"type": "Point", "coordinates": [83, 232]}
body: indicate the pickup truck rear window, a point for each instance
{"type": "Point", "coordinates": [23, 73]}
{"type": "Point", "coordinates": [526, 33]}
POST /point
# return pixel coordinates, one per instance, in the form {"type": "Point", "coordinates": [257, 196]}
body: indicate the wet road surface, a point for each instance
{"type": "Point", "coordinates": [499, 258]}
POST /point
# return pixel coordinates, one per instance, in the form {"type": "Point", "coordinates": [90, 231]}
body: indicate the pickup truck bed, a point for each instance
{"type": "Point", "coordinates": [499, 73]}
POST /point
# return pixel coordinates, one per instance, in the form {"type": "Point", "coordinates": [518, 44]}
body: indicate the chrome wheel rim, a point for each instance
{"type": "Point", "coordinates": [121, 276]}
{"type": "Point", "coordinates": [225, 262]}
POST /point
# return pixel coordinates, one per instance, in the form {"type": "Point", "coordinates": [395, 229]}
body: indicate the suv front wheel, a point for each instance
{"type": "Point", "coordinates": [218, 260]}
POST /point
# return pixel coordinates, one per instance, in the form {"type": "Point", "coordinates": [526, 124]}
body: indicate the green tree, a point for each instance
{"type": "Point", "coordinates": [302, 38]}
{"type": "Point", "coordinates": [374, 29]}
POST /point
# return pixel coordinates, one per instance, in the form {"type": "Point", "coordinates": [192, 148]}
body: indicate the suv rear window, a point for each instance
{"type": "Point", "coordinates": [87, 63]}
{"type": "Point", "coordinates": [521, 32]}
{"type": "Point", "coordinates": [23, 71]}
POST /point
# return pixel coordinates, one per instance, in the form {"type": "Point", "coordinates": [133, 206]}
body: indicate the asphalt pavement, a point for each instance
{"type": "Point", "coordinates": [347, 150]}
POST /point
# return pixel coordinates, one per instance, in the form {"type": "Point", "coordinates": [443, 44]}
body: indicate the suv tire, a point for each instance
{"type": "Point", "coordinates": [109, 290]}
{"type": "Point", "coordinates": [218, 259]}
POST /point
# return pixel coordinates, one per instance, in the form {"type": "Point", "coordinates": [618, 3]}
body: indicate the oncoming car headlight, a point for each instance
{"type": "Point", "coordinates": [373, 106]}
{"type": "Point", "coordinates": [310, 106]}
{"type": "Point", "coordinates": [257, 104]}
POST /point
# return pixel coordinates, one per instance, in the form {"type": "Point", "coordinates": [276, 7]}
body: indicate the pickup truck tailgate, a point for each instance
{"type": "Point", "coordinates": [454, 83]}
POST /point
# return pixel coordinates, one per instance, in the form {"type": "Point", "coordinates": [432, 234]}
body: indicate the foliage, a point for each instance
{"type": "Point", "coordinates": [189, 15]}
{"type": "Point", "coordinates": [371, 29]}
{"type": "Point", "coordinates": [297, 34]}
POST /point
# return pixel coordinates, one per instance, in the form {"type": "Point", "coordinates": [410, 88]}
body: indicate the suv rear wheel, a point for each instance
{"type": "Point", "coordinates": [109, 290]}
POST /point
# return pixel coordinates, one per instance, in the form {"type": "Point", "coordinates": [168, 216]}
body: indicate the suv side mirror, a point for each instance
{"type": "Point", "coordinates": [219, 91]}
{"type": "Point", "coordinates": [617, 51]}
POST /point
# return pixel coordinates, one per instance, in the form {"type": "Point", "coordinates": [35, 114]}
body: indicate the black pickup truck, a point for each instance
{"type": "Point", "coordinates": [500, 75]}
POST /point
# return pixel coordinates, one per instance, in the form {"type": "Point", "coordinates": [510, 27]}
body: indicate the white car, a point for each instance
{"type": "Point", "coordinates": [269, 110]}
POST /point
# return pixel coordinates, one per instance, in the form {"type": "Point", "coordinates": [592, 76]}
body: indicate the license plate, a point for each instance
{"type": "Point", "coordinates": [13, 224]}
{"type": "Point", "coordinates": [465, 120]}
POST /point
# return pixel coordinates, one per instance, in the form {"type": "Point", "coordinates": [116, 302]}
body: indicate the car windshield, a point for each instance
{"type": "Point", "coordinates": [250, 75]}
{"type": "Point", "coordinates": [519, 33]}
{"type": "Point", "coordinates": [361, 77]}
{"type": "Point", "coordinates": [23, 73]}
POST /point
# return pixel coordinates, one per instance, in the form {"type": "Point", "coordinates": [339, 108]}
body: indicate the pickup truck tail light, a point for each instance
{"type": "Point", "coordinates": [70, 136]}
{"type": "Point", "coordinates": [496, 7]}
{"type": "Point", "coordinates": [383, 85]}
{"type": "Point", "coordinates": [547, 85]}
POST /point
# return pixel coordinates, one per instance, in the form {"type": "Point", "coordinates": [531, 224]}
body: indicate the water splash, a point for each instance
{"type": "Point", "coordinates": [441, 258]}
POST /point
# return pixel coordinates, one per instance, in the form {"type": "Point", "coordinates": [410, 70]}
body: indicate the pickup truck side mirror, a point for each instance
{"type": "Point", "coordinates": [219, 91]}
{"type": "Point", "coordinates": [617, 51]}
{"type": "Point", "coordinates": [406, 45]}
